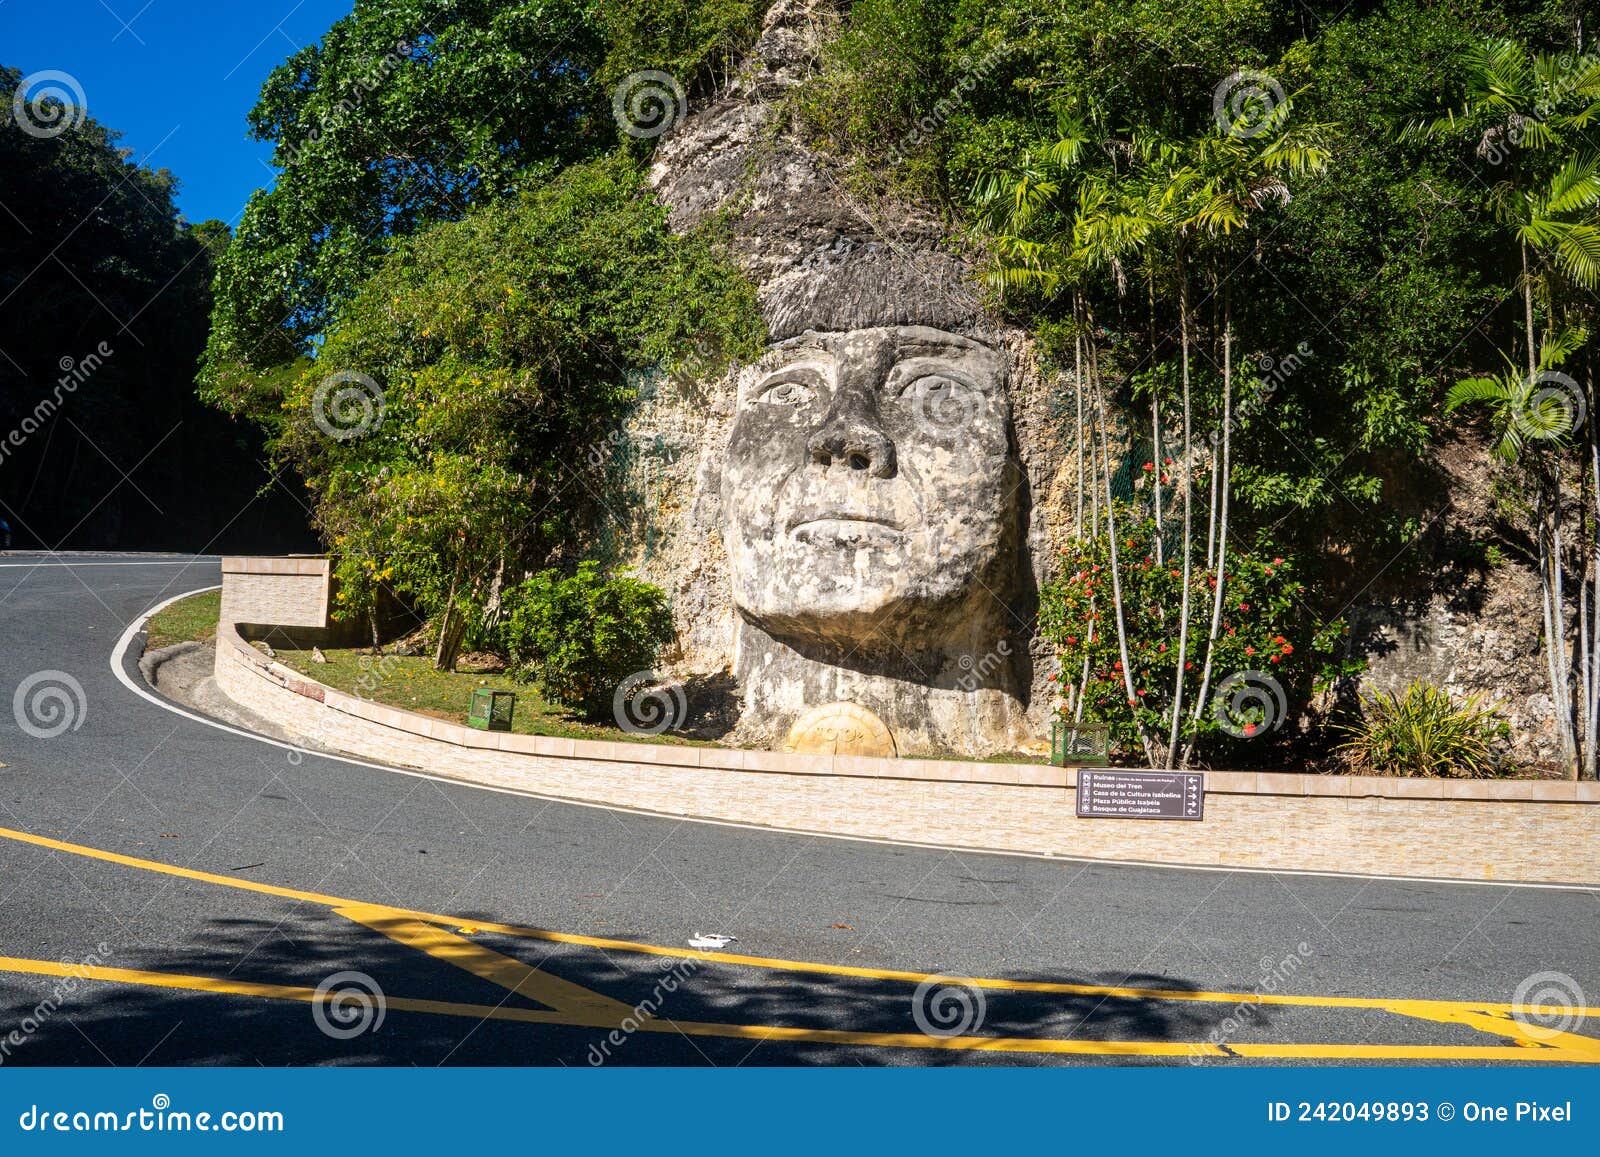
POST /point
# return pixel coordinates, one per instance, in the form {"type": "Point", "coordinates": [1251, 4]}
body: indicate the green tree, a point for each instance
{"type": "Point", "coordinates": [404, 114]}
{"type": "Point", "coordinates": [440, 426]}
{"type": "Point", "coordinates": [1529, 112]}
{"type": "Point", "coordinates": [411, 112]}
{"type": "Point", "coordinates": [1187, 199]}
{"type": "Point", "coordinates": [104, 288]}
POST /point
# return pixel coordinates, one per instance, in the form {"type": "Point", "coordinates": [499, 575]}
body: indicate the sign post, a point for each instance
{"type": "Point", "coordinates": [1116, 793]}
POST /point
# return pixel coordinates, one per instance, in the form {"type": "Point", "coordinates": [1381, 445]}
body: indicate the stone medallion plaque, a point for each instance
{"type": "Point", "coordinates": [840, 729]}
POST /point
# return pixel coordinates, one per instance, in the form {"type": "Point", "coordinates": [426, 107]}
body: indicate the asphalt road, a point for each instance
{"type": "Point", "coordinates": [308, 871]}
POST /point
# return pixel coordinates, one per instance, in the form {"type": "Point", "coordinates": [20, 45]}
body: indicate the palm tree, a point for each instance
{"type": "Point", "coordinates": [1179, 197]}
{"type": "Point", "coordinates": [1105, 229]}
{"type": "Point", "coordinates": [1532, 423]}
{"type": "Point", "coordinates": [1238, 177]}
{"type": "Point", "coordinates": [1534, 105]}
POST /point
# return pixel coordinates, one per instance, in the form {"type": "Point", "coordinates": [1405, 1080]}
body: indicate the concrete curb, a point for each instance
{"type": "Point", "coordinates": [151, 661]}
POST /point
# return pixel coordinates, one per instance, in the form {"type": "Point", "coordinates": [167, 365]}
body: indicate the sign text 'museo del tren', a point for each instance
{"type": "Point", "coordinates": [1116, 793]}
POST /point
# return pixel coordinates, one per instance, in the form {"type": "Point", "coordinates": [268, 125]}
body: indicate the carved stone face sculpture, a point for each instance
{"type": "Point", "coordinates": [868, 488]}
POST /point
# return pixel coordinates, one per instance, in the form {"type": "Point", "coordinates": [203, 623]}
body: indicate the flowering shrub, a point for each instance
{"type": "Point", "coordinates": [1267, 654]}
{"type": "Point", "coordinates": [581, 635]}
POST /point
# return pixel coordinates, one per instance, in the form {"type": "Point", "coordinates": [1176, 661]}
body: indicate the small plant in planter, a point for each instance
{"type": "Point", "coordinates": [1424, 731]}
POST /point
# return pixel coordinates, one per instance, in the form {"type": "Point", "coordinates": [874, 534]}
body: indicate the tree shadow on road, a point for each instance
{"type": "Point", "coordinates": [100, 1023]}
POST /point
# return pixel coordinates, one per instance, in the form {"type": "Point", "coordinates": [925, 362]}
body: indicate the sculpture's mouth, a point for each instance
{"type": "Point", "coordinates": [839, 526]}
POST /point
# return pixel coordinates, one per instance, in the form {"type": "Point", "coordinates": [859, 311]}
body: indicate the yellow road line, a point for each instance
{"type": "Point", "coordinates": [1364, 1052]}
{"type": "Point", "coordinates": [497, 968]}
{"type": "Point", "coordinates": [1456, 1011]}
{"type": "Point", "coordinates": [1526, 1035]}
{"type": "Point", "coordinates": [234, 987]}
{"type": "Point", "coordinates": [689, 1028]}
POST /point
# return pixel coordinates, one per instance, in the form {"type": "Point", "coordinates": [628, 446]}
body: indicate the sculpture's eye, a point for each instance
{"type": "Point", "coordinates": [936, 386]}
{"type": "Point", "coordinates": [942, 399]}
{"type": "Point", "coordinates": [785, 392]}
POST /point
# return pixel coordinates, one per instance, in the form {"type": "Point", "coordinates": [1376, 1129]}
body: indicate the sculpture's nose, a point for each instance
{"type": "Point", "coordinates": [854, 445]}
{"type": "Point", "coordinates": [851, 434]}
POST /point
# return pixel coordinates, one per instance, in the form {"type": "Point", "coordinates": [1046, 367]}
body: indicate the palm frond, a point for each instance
{"type": "Point", "coordinates": [1067, 149]}
{"type": "Point", "coordinates": [1576, 185]}
{"type": "Point", "coordinates": [1560, 344]}
{"type": "Point", "coordinates": [1575, 244]}
{"type": "Point", "coordinates": [1500, 77]}
{"type": "Point", "coordinates": [1476, 391]}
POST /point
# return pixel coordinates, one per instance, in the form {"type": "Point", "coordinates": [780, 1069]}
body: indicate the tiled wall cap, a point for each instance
{"type": "Point", "coordinates": [278, 565]}
{"type": "Point", "coordinates": [1246, 783]}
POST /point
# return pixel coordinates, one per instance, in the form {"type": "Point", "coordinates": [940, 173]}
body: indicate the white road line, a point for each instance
{"type": "Point", "coordinates": [77, 565]}
{"type": "Point", "coordinates": [145, 693]}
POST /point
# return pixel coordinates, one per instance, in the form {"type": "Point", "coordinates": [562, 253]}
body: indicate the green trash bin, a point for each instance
{"type": "Point", "coordinates": [1080, 744]}
{"type": "Point", "coordinates": [491, 710]}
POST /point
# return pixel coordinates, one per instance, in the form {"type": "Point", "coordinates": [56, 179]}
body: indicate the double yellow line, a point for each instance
{"type": "Point", "coordinates": [574, 1005]}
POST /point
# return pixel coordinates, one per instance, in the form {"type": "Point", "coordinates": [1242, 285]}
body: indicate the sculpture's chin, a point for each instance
{"type": "Point", "coordinates": [891, 616]}
{"type": "Point", "coordinates": [859, 628]}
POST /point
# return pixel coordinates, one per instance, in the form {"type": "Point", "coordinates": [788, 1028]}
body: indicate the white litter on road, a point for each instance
{"type": "Point", "coordinates": [710, 940]}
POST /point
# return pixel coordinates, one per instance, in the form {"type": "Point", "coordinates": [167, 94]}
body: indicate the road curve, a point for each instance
{"type": "Point", "coordinates": [176, 893]}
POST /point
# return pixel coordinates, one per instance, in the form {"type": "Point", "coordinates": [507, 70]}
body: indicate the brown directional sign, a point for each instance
{"type": "Point", "coordinates": [1113, 793]}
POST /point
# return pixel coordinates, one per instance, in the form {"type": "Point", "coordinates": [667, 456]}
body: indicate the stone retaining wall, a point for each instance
{"type": "Point", "coordinates": [1515, 830]}
{"type": "Point", "coordinates": [282, 592]}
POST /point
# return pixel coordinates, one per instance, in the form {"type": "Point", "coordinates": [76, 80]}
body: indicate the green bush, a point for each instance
{"type": "Point", "coordinates": [580, 636]}
{"type": "Point", "coordinates": [1423, 731]}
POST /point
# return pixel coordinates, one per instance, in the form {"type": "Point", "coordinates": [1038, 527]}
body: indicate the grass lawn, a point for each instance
{"type": "Point", "coordinates": [1023, 757]}
{"type": "Point", "coordinates": [192, 618]}
{"type": "Point", "coordinates": [410, 682]}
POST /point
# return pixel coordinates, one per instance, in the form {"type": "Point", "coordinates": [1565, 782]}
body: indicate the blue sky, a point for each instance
{"type": "Point", "coordinates": [176, 77]}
